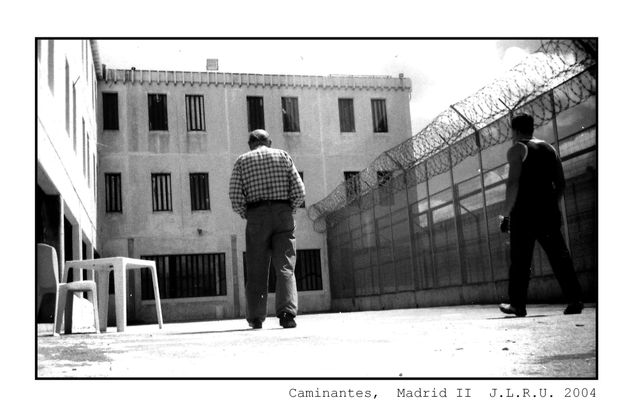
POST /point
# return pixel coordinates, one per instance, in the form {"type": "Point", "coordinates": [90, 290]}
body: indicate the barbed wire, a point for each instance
{"type": "Point", "coordinates": [451, 136]}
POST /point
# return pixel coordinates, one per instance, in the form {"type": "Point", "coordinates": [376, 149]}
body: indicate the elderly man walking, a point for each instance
{"type": "Point", "coordinates": [266, 190]}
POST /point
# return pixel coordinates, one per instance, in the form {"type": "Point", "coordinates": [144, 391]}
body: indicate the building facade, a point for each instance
{"type": "Point", "coordinates": [167, 144]}
{"type": "Point", "coordinates": [66, 185]}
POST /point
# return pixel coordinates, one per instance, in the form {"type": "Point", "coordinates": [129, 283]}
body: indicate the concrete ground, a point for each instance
{"type": "Point", "coordinates": [463, 341]}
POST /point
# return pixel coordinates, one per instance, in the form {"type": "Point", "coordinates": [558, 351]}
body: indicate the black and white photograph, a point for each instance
{"type": "Point", "coordinates": [327, 221]}
{"type": "Point", "coordinates": [209, 209]}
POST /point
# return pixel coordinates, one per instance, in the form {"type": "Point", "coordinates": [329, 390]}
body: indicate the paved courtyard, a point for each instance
{"type": "Point", "coordinates": [464, 341]}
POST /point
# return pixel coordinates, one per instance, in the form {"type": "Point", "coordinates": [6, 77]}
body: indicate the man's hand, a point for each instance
{"type": "Point", "coordinates": [504, 224]}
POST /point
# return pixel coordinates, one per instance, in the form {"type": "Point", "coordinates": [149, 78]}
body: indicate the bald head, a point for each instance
{"type": "Point", "coordinates": [259, 138]}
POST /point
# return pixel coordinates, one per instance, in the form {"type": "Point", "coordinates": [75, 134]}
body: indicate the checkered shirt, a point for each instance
{"type": "Point", "coordinates": [265, 174]}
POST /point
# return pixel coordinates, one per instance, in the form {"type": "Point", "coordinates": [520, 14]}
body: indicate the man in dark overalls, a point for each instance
{"type": "Point", "coordinates": [532, 213]}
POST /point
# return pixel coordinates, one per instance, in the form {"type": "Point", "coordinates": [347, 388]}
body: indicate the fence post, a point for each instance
{"type": "Point", "coordinates": [455, 220]}
{"type": "Point", "coordinates": [429, 214]}
{"type": "Point", "coordinates": [557, 141]}
{"type": "Point", "coordinates": [351, 241]}
{"type": "Point", "coordinates": [483, 192]}
{"type": "Point", "coordinates": [377, 239]}
{"type": "Point", "coordinates": [409, 222]}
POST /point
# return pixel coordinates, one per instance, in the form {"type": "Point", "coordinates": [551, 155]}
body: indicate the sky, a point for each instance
{"type": "Point", "coordinates": [442, 72]}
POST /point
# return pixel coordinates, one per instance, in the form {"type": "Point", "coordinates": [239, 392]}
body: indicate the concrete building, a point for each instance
{"type": "Point", "coordinates": [66, 186]}
{"type": "Point", "coordinates": [167, 143]}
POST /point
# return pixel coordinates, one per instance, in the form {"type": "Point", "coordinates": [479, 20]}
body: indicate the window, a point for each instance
{"type": "Point", "coordinates": [88, 159]}
{"type": "Point", "coordinates": [113, 199]}
{"type": "Point", "coordinates": [67, 96]}
{"type": "Point", "coordinates": [195, 112]}
{"type": "Point", "coordinates": [186, 276]}
{"type": "Point", "coordinates": [110, 111]}
{"type": "Point", "coordinates": [94, 175]}
{"type": "Point", "coordinates": [199, 186]}
{"type": "Point", "coordinates": [51, 65]}
{"type": "Point", "coordinates": [157, 110]}
{"type": "Point", "coordinates": [346, 115]}
{"type": "Point", "coordinates": [307, 271]}
{"type": "Point", "coordinates": [161, 192]}
{"type": "Point", "coordinates": [290, 111]}
{"type": "Point", "coordinates": [352, 184]}
{"type": "Point", "coordinates": [384, 187]}
{"type": "Point", "coordinates": [86, 60]}
{"type": "Point", "coordinates": [303, 204]}
{"type": "Point", "coordinates": [74, 118]}
{"type": "Point", "coordinates": [255, 110]}
{"type": "Point", "coordinates": [379, 115]}
{"type": "Point", "coordinates": [83, 134]}
{"type": "Point", "coordinates": [94, 88]}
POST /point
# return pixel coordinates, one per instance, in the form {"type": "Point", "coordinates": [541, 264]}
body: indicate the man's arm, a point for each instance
{"type": "Point", "coordinates": [236, 192]}
{"type": "Point", "coordinates": [515, 159]}
{"type": "Point", "coordinates": [297, 188]}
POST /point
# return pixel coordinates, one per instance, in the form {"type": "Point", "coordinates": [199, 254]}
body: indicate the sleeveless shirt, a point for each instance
{"type": "Point", "coordinates": [536, 198]}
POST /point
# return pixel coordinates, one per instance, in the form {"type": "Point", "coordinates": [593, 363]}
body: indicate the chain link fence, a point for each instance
{"type": "Point", "coordinates": [423, 215]}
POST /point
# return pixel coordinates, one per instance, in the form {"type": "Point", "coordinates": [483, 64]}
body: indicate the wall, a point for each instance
{"type": "Point", "coordinates": [61, 149]}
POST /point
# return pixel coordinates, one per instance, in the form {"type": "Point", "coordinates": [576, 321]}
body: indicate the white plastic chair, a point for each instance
{"type": "Point", "coordinates": [48, 282]}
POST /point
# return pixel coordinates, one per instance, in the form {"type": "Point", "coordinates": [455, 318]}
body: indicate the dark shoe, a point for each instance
{"type": "Point", "coordinates": [510, 309]}
{"type": "Point", "coordinates": [574, 308]}
{"type": "Point", "coordinates": [255, 324]}
{"type": "Point", "coordinates": [287, 321]}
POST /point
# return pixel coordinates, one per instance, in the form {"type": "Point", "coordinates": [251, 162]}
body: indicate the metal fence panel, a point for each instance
{"type": "Point", "coordinates": [426, 214]}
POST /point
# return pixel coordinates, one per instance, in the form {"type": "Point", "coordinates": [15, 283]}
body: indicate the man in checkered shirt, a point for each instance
{"type": "Point", "coordinates": [266, 190]}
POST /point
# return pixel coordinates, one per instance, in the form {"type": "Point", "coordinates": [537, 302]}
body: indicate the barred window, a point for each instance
{"type": "Point", "coordinates": [157, 110]}
{"type": "Point", "coordinates": [255, 110]}
{"type": "Point", "coordinates": [161, 192]}
{"type": "Point", "coordinates": [352, 184]}
{"type": "Point", "coordinates": [186, 276]}
{"type": "Point", "coordinates": [303, 204]}
{"type": "Point", "coordinates": [379, 115]}
{"type": "Point", "coordinates": [290, 111]}
{"type": "Point", "coordinates": [110, 111]}
{"type": "Point", "coordinates": [346, 115]}
{"type": "Point", "coordinates": [199, 189]}
{"type": "Point", "coordinates": [113, 200]}
{"type": "Point", "coordinates": [307, 271]}
{"type": "Point", "coordinates": [195, 112]}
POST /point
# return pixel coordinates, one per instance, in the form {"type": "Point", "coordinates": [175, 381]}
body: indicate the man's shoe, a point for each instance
{"type": "Point", "coordinates": [255, 324]}
{"type": "Point", "coordinates": [510, 309]}
{"type": "Point", "coordinates": [574, 308]}
{"type": "Point", "coordinates": [287, 321]}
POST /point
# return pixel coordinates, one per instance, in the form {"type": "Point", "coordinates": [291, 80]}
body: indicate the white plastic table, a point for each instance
{"type": "Point", "coordinates": [102, 268]}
